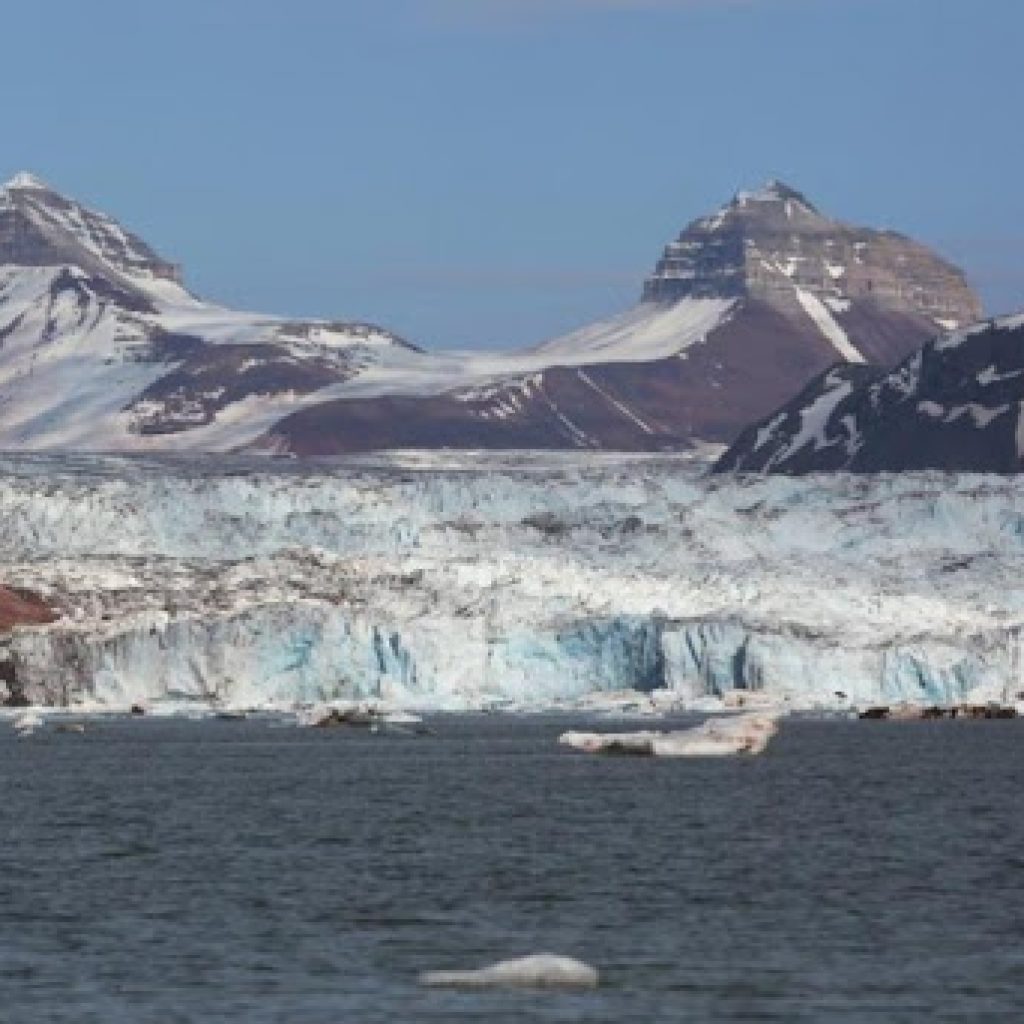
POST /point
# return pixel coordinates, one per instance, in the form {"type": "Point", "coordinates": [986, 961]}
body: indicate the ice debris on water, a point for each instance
{"type": "Point", "coordinates": [718, 737]}
{"type": "Point", "coordinates": [27, 723]}
{"type": "Point", "coordinates": [372, 715]}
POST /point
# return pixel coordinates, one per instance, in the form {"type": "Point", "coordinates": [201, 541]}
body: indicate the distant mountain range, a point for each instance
{"type": "Point", "coordinates": [103, 348]}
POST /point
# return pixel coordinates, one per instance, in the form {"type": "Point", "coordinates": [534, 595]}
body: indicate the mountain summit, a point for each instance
{"type": "Point", "coordinates": [24, 180]}
{"type": "Point", "coordinates": [774, 245]}
{"type": "Point", "coordinates": [41, 228]}
{"type": "Point", "coordinates": [103, 347]}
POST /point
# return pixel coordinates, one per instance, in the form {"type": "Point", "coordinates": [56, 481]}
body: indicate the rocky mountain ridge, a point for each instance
{"type": "Point", "coordinates": [103, 348]}
{"type": "Point", "coordinates": [957, 404]}
{"type": "Point", "coordinates": [774, 244]}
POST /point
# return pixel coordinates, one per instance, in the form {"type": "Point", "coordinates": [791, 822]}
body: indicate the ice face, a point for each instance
{"type": "Point", "coordinates": [508, 581]}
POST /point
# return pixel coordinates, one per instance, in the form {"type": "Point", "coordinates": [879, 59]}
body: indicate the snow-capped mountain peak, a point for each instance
{"type": "Point", "coordinates": [773, 191]}
{"type": "Point", "coordinates": [775, 246]}
{"type": "Point", "coordinates": [102, 346]}
{"type": "Point", "coordinates": [41, 227]}
{"type": "Point", "coordinates": [25, 180]}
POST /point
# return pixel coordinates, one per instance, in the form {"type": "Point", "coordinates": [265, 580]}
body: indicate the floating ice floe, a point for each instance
{"type": "Point", "coordinates": [719, 737]}
{"type": "Point", "coordinates": [358, 714]}
{"type": "Point", "coordinates": [401, 718]}
{"type": "Point", "coordinates": [543, 970]}
{"type": "Point", "coordinates": [26, 724]}
{"type": "Point", "coordinates": [618, 703]}
{"type": "Point", "coordinates": [749, 700]}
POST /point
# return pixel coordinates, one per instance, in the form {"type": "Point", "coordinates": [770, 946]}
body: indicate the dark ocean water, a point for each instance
{"type": "Point", "coordinates": [154, 872]}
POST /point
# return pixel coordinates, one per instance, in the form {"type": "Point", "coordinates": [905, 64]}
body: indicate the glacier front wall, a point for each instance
{"type": "Point", "coordinates": [508, 583]}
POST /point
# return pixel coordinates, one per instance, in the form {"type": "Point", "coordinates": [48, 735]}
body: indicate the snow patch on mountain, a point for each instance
{"type": "Point", "coordinates": [645, 333]}
{"type": "Point", "coordinates": [815, 417]}
{"type": "Point", "coordinates": [819, 313]}
{"type": "Point", "coordinates": [24, 180]}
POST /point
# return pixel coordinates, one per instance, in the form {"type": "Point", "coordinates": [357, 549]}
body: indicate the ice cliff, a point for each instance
{"type": "Point", "coordinates": [484, 580]}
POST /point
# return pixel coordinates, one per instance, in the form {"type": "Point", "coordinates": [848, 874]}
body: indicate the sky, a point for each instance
{"type": "Point", "coordinates": [490, 173]}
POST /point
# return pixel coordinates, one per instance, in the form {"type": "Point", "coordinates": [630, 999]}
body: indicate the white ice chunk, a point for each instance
{"type": "Point", "coordinates": [26, 724]}
{"type": "Point", "coordinates": [718, 737]}
{"type": "Point", "coordinates": [543, 970]}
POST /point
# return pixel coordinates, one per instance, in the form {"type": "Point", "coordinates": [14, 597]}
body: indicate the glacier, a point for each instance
{"type": "Point", "coordinates": [505, 580]}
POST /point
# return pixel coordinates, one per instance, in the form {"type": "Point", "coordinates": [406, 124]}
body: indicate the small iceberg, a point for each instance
{"type": "Point", "coordinates": [543, 970]}
{"type": "Point", "coordinates": [749, 700]}
{"type": "Point", "coordinates": [370, 715]}
{"type": "Point", "coordinates": [401, 718]}
{"type": "Point", "coordinates": [718, 737]}
{"type": "Point", "coordinates": [26, 724]}
{"type": "Point", "coordinates": [329, 716]}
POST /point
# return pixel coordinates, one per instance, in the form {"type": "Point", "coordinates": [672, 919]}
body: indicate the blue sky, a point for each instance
{"type": "Point", "coordinates": [491, 172]}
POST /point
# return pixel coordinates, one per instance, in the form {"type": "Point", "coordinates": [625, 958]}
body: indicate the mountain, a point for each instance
{"type": "Point", "coordinates": [774, 246]}
{"type": "Point", "coordinates": [102, 347]}
{"type": "Point", "coordinates": [957, 404]}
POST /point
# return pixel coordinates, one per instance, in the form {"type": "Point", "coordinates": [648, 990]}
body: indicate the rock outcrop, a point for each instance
{"type": "Point", "coordinates": [41, 228]}
{"type": "Point", "coordinates": [22, 607]}
{"type": "Point", "coordinates": [957, 404]}
{"type": "Point", "coordinates": [774, 244]}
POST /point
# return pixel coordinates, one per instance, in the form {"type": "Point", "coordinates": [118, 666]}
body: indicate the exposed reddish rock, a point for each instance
{"type": "Point", "coordinates": [743, 370]}
{"type": "Point", "coordinates": [22, 608]}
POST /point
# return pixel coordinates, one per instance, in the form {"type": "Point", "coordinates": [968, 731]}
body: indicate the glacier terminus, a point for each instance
{"type": "Point", "coordinates": [520, 580]}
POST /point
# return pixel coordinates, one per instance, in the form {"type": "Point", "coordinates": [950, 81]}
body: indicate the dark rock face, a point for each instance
{"type": "Point", "coordinates": [791, 436]}
{"type": "Point", "coordinates": [209, 378]}
{"type": "Point", "coordinates": [770, 243]}
{"type": "Point", "coordinates": [747, 366]}
{"type": "Point", "coordinates": [557, 411]}
{"type": "Point", "coordinates": [20, 607]}
{"type": "Point", "coordinates": [41, 228]}
{"type": "Point", "coordinates": [957, 405]}
{"type": "Point", "coordinates": [17, 608]}
{"type": "Point", "coordinates": [742, 370]}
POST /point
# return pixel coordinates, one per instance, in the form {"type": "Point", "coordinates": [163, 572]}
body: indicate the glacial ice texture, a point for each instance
{"type": "Point", "coordinates": [467, 581]}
